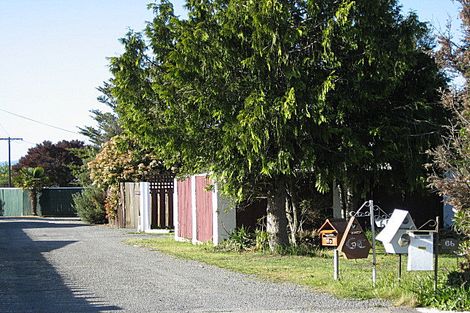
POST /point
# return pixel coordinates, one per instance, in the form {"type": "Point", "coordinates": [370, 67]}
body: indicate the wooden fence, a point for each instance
{"type": "Point", "coordinates": [161, 195]}
{"type": "Point", "coordinates": [202, 213]}
{"type": "Point", "coordinates": [129, 205]}
{"type": "Point", "coordinates": [133, 204]}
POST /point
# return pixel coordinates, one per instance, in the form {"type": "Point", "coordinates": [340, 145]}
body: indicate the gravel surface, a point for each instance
{"type": "Point", "coordinates": [60, 265]}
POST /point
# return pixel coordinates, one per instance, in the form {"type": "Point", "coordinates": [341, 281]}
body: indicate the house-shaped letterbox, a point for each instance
{"type": "Point", "coordinates": [354, 243]}
{"type": "Point", "coordinates": [394, 236]}
{"type": "Point", "coordinates": [331, 232]}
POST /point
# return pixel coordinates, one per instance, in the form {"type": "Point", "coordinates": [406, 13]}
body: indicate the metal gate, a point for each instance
{"type": "Point", "coordinates": [161, 194]}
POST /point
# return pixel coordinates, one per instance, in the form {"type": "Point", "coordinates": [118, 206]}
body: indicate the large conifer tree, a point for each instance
{"type": "Point", "coordinates": [258, 92]}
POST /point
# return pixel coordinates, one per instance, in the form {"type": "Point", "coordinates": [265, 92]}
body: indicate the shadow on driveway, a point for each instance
{"type": "Point", "coordinates": [28, 282]}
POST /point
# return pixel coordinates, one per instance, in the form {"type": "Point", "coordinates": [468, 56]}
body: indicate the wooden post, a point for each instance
{"type": "Point", "coordinates": [9, 139]}
{"type": "Point", "coordinates": [162, 209]}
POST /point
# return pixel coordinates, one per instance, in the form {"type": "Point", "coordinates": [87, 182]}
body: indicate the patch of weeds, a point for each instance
{"type": "Point", "coordinates": [301, 249]}
{"type": "Point", "coordinates": [242, 239]}
{"type": "Point", "coordinates": [307, 244]}
{"type": "Point", "coordinates": [239, 240]}
{"type": "Point", "coordinates": [261, 240]}
{"type": "Point", "coordinates": [448, 296]}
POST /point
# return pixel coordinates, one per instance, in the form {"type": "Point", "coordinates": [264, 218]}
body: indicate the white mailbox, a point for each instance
{"type": "Point", "coordinates": [394, 236]}
{"type": "Point", "coordinates": [421, 251]}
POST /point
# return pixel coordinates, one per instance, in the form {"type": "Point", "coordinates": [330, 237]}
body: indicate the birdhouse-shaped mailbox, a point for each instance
{"type": "Point", "coordinates": [394, 236]}
{"type": "Point", "coordinates": [421, 251]}
{"type": "Point", "coordinates": [354, 243]}
{"type": "Point", "coordinates": [331, 232]}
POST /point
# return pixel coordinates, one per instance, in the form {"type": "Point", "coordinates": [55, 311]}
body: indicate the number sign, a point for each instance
{"type": "Point", "coordinates": [448, 245]}
{"type": "Point", "coordinates": [354, 243]}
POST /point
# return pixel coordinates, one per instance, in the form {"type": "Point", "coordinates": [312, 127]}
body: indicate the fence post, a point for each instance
{"type": "Point", "coordinates": [215, 216]}
{"type": "Point", "coordinates": [193, 209]}
{"type": "Point", "coordinates": [175, 208]}
{"type": "Point", "coordinates": [144, 206]}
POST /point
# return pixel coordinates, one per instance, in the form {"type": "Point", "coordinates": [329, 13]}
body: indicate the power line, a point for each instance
{"type": "Point", "coordinates": [39, 122]}
{"type": "Point", "coordinates": [29, 142]}
{"type": "Point", "coordinates": [6, 131]}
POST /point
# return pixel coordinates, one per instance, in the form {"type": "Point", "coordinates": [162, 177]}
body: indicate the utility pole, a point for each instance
{"type": "Point", "coordinates": [9, 139]}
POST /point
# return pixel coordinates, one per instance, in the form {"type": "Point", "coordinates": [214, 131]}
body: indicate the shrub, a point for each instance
{"type": "Point", "coordinates": [89, 205]}
{"type": "Point", "coordinates": [261, 240]}
{"type": "Point", "coordinates": [239, 240]}
{"type": "Point", "coordinates": [448, 296]}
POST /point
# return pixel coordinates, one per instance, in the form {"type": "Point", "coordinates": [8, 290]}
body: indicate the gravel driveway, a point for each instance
{"type": "Point", "coordinates": [58, 265]}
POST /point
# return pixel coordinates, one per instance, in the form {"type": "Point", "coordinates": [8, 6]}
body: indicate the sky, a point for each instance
{"type": "Point", "coordinates": [53, 56]}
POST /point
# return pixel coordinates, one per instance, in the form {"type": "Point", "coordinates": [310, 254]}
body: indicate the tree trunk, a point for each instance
{"type": "Point", "coordinates": [337, 207]}
{"type": "Point", "coordinates": [346, 199]}
{"type": "Point", "coordinates": [292, 215]}
{"type": "Point", "coordinates": [276, 219]}
{"type": "Point", "coordinates": [34, 201]}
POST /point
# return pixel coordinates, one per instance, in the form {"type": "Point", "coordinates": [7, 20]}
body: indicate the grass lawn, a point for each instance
{"type": "Point", "coordinates": [315, 272]}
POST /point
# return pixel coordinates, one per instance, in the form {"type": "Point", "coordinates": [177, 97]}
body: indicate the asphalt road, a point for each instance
{"type": "Point", "coordinates": [49, 265]}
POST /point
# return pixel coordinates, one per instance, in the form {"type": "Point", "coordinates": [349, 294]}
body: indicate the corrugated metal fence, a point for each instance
{"type": "Point", "coordinates": [52, 202]}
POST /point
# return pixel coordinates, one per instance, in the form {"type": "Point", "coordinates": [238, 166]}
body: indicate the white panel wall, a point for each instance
{"type": "Point", "coordinates": [145, 207]}
{"type": "Point", "coordinates": [225, 220]}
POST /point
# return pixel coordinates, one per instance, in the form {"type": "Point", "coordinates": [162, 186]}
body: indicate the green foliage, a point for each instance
{"type": "Point", "coordinates": [253, 92]}
{"type": "Point", "coordinates": [107, 122]}
{"type": "Point", "coordinates": [447, 297]}
{"type": "Point", "coordinates": [261, 240]}
{"type": "Point", "coordinates": [89, 205]}
{"type": "Point", "coordinates": [259, 92]}
{"type": "Point", "coordinates": [307, 244]}
{"type": "Point", "coordinates": [3, 175]}
{"type": "Point", "coordinates": [81, 171]}
{"type": "Point", "coordinates": [302, 249]}
{"type": "Point", "coordinates": [451, 162]}
{"type": "Point", "coordinates": [462, 221]}
{"type": "Point", "coordinates": [33, 179]}
{"type": "Point", "coordinates": [56, 159]}
{"type": "Point", "coordinates": [239, 240]}
{"type": "Point", "coordinates": [121, 159]}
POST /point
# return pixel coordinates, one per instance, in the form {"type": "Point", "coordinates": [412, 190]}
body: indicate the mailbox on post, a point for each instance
{"type": "Point", "coordinates": [332, 231]}
{"type": "Point", "coordinates": [354, 243]}
{"type": "Point", "coordinates": [394, 236]}
{"type": "Point", "coordinates": [421, 250]}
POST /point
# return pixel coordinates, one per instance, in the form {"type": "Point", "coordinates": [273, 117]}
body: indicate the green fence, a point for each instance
{"type": "Point", "coordinates": [52, 202]}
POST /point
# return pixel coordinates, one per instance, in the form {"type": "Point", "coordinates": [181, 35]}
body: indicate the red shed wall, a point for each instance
{"type": "Point", "coordinates": [184, 209]}
{"type": "Point", "coordinates": [204, 209]}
